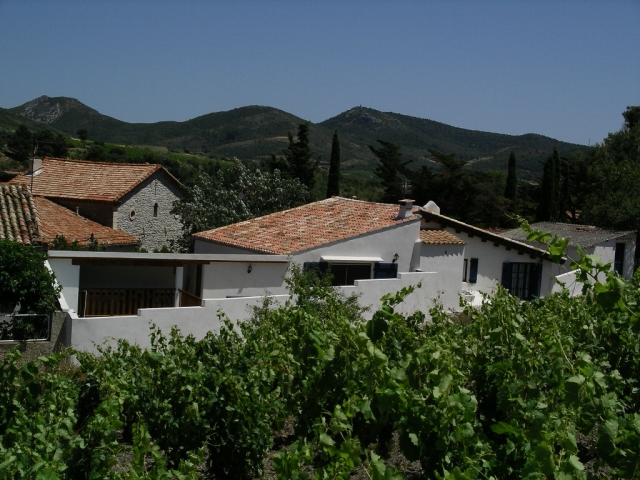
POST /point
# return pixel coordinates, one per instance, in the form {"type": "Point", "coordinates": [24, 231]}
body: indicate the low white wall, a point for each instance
{"type": "Point", "coordinates": [68, 276]}
{"type": "Point", "coordinates": [232, 278]}
{"type": "Point", "coordinates": [197, 321]}
{"type": "Point", "coordinates": [570, 283]}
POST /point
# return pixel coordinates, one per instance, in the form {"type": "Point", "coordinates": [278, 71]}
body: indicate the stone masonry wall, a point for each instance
{"type": "Point", "coordinates": [60, 337]}
{"type": "Point", "coordinates": [135, 215]}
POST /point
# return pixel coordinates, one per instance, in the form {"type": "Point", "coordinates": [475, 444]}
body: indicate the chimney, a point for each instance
{"type": "Point", "coordinates": [432, 207]}
{"type": "Point", "coordinates": [35, 164]}
{"type": "Point", "coordinates": [405, 208]}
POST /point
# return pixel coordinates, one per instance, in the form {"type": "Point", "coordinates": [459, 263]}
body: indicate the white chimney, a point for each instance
{"type": "Point", "coordinates": [432, 207]}
{"type": "Point", "coordinates": [406, 206]}
{"type": "Point", "coordinates": [35, 164]}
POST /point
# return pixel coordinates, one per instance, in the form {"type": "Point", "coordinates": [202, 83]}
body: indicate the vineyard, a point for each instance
{"type": "Point", "coordinates": [540, 389]}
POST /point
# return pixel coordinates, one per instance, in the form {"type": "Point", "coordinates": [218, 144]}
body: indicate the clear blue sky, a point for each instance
{"type": "Point", "coordinates": [565, 69]}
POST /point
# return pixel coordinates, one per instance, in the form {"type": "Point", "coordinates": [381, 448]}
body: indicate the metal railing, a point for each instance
{"type": "Point", "coordinates": [24, 327]}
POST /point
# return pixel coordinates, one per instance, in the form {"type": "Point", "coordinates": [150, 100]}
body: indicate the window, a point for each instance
{"type": "Point", "coordinates": [473, 270]}
{"type": "Point", "coordinates": [464, 270]}
{"type": "Point", "coordinates": [618, 262]}
{"type": "Point", "coordinates": [522, 280]}
{"type": "Point", "coordinates": [155, 211]}
{"type": "Point", "coordinates": [132, 215]}
{"type": "Point", "coordinates": [346, 273]}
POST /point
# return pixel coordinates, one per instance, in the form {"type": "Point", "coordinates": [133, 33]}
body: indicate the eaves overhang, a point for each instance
{"type": "Point", "coordinates": [486, 236]}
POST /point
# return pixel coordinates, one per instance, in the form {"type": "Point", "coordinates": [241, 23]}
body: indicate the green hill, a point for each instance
{"type": "Point", "coordinates": [253, 132]}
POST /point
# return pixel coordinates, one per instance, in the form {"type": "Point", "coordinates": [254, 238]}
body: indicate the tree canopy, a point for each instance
{"type": "Point", "coordinates": [236, 194]}
{"type": "Point", "coordinates": [25, 280]}
{"type": "Point", "coordinates": [609, 184]}
{"type": "Point", "coordinates": [298, 157]}
{"type": "Point", "coordinates": [390, 169]}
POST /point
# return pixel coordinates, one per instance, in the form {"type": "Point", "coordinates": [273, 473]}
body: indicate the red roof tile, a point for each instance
{"type": "Point", "coordinates": [308, 226]}
{"type": "Point", "coordinates": [439, 237]}
{"type": "Point", "coordinates": [58, 220]}
{"type": "Point", "coordinates": [19, 220]}
{"type": "Point", "coordinates": [87, 180]}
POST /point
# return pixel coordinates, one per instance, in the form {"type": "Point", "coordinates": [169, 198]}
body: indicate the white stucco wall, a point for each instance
{"type": "Point", "coordinates": [68, 277]}
{"type": "Point", "coordinates": [222, 279]}
{"type": "Point", "coordinates": [197, 321]}
{"type": "Point", "coordinates": [153, 232]}
{"type": "Point", "coordinates": [445, 259]}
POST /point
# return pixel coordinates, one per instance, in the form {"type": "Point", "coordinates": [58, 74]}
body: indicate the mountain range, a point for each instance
{"type": "Point", "coordinates": [254, 132]}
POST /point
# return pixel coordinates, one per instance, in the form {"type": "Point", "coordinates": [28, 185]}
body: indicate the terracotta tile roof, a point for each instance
{"type": "Point", "coordinates": [19, 220]}
{"type": "Point", "coordinates": [87, 180]}
{"type": "Point", "coordinates": [308, 226]}
{"type": "Point", "coordinates": [434, 236]}
{"type": "Point", "coordinates": [58, 220]}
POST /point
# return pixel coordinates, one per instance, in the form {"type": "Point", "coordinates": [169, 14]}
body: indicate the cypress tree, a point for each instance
{"type": "Point", "coordinates": [549, 206]}
{"type": "Point", "coordinates": [510, 191]}
{"type": "Point", "coordinates": [333, 185]}
{"type": "Point", "coordinates": [298, 157]}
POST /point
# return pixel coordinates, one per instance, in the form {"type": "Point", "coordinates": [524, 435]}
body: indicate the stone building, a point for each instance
{"type": "Point", "coordinates": [133, 198]}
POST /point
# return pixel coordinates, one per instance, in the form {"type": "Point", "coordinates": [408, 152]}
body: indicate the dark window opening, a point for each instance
{"type": "Point", "coordinates": [385, 270]}
{"type": "Point", "coordinates": [522, 280]}
{"type": "Point", "coordinates": [342, 273]}
{"type": "Point", "coordinates": [464, 270]}
{"type": "Point", "coordinates": [155, 211]}
{"type": "Point", "coordinates": [618, 263]}
{"type": "Point", "coordinates": [473, 270]}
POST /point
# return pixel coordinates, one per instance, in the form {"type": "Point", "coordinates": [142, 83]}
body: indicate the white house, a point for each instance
{"type": "Point", "coordinates": [371, 249]}
{"type": "Point", "coordinates": [485, 259]}
{"type": "Point", "coordinates": [615, 247]}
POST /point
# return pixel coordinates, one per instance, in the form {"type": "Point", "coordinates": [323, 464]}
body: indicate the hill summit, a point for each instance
{"type": "Point", "coordinates": [254, 132]}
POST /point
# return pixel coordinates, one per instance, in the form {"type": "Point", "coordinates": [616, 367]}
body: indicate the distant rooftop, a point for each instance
{"type": "Point", "coordinates": [584, 235]}
{"type": "Point", "coordinates": [87, 180]}
{"type": "Point", "coordinates": [308, 226]}
{"type": "Point", "coordinates": [58, 220]}
{"type": "Point", "coordinates": [434, 236]}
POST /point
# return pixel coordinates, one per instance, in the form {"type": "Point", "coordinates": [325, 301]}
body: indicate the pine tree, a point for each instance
{"type": "Point", "coordinates": [298, 157]}
{"type": "Point", "coordinates": [389, 169]}
{"type": "Point", "coordinates": [511, 190]}
{"type": "Point", "coordinates": [333, 185]}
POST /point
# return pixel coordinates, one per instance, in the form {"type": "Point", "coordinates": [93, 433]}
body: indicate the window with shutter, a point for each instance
{"type": "Point", "coordinates": [473, 270]}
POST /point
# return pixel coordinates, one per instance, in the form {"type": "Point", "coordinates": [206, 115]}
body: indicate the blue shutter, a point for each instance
{"type": "Point", "coordinates": [535, 278]}
{"type": "Point", "coordinates": [506, 276]}
{"type": "Point", "coordinates": [473, 270]}
{"type": "Point", "coordinates": [385, 270]}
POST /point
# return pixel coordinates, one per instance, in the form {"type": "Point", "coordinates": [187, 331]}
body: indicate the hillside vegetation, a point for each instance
{"type": "Point", "coordinates": [254, 132]}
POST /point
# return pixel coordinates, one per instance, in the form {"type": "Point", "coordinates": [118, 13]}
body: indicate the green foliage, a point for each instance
{"type": "Point", "coordinates": [389, 169]}
{"type": "Point", "coordinates": [333, 184]}
{"type": "Point", "coordinates": [540, 389]}
{"type": "Point", "coordinates": [24, 279]}
{"type": "Point", "coordinates": [609, 183]}
{"type": "Point", "coordinates": [549, 204]}
{"type": "Point", "coordinates": [468, 195]}
{"type": "Point", "coordinates": [511, 189]}
{"type": "Point", "coordinates": [298, 157]}
{"type": "Point", "coordinates": [234, 195]}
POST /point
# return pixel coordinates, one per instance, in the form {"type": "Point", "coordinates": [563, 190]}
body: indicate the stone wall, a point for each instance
{"type": "Point", "coordinates": [135, 215]}
{"type": "Point", "coordinates": [60, 337]}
